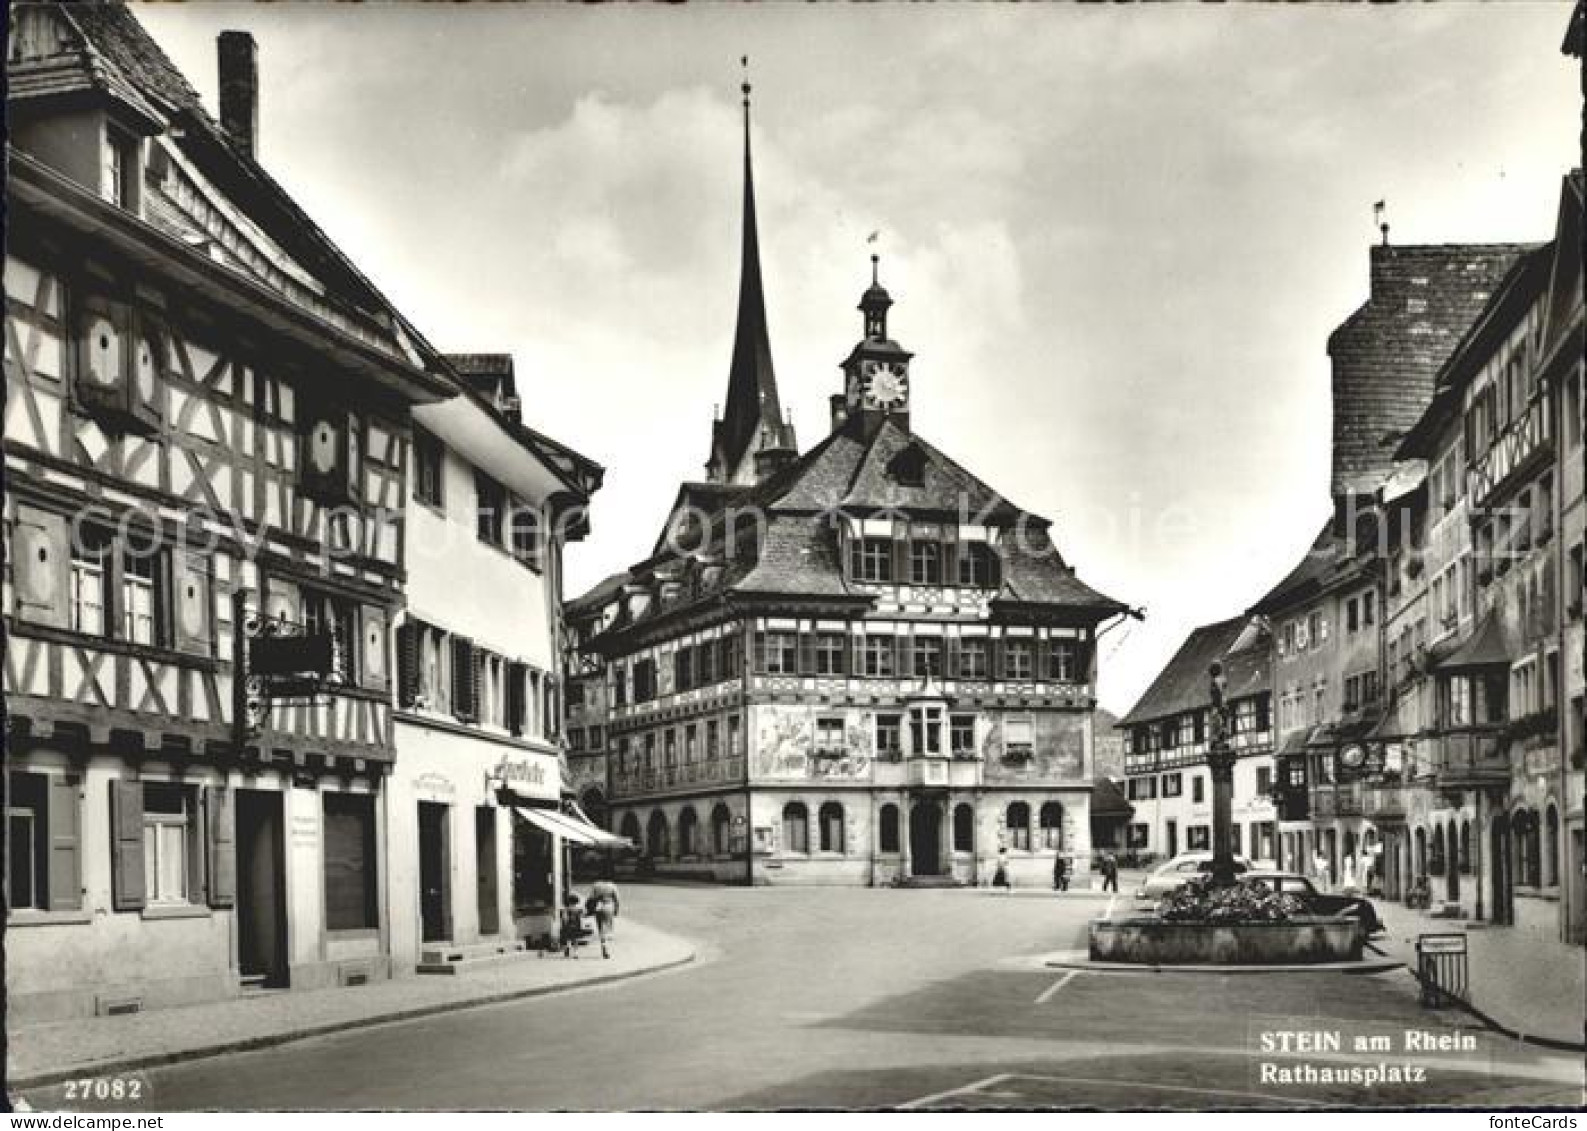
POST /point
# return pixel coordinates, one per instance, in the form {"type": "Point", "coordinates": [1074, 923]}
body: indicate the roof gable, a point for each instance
{"type": "Point", "coordinates": [1184, 684]}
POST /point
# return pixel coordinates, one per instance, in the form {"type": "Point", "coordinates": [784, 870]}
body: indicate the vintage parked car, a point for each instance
{"type": "Point", "coordinates": [1321, 903]}
{"type": "Point", "coordinates": [1181, 868]}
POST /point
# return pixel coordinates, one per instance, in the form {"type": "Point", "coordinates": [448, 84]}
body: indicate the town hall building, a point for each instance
{"type": "Point", "coordinates": [856, 665]}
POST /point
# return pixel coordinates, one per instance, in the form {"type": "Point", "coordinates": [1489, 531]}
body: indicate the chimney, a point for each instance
{"type": "Point", "coordinates": [239, 88]}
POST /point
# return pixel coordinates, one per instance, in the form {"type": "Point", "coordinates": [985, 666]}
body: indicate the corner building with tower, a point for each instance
{"type": "Point", "coordinates": [856, 665]}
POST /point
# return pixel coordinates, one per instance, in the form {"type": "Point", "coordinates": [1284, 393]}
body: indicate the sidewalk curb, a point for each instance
{"type": "Point", "coordinates": [270, 1040]}
{"type": "Point", "coordinates": [1558, 1044]}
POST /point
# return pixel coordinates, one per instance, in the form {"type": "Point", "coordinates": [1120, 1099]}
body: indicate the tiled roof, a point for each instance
{"type": "Point", "coordinates": [114, 33]}
{"type": "Point", "coordinates": [797, 557]}
{"type": "Point", "coordinates": [1107, 800]}
{"type": "Point", "coordinates": [943, 484]}
{"type": "Point", "coordinates": [599, 593]}
{"type": "Point", "coordinates": [1035, 574]}
{"type": "Point", "coordinates": [1387, 354]}
{"type": "Point", "coordinates": [1184, 684]}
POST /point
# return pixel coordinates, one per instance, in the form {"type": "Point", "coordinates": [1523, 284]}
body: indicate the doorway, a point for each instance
{"type": "Point", "coordinates": [434, 904]}
{"type": "Point", "coordinates": [925, 839]}
{"type": "Point", "coordinates": [261, 889]}
{"type": "Point", "coordinates": [1499, 866]}
{"type": "Point", "coordinates": [485, 881]}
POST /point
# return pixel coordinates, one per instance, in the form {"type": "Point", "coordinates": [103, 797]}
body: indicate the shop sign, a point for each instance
{"type": "Point", "coordinates": [530, 776]}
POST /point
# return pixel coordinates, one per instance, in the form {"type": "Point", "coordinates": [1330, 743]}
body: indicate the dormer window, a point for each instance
{"type": "Point", "coordinates": [908, 467]}
{"type": "Point", "coordinates": [118, 173]}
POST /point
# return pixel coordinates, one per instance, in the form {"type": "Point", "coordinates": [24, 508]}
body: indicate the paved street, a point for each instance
{"type": "Point", "coordinates": [859, 998]}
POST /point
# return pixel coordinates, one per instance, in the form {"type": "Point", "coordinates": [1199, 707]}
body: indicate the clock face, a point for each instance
{"type": "Point", "coordinates": [1352, 756]}
{"type": "Point", "coordinates": [886, 384]}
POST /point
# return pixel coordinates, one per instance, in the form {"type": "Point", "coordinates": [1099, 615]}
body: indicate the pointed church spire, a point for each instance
{"type": "Point", "coordinates": [752, 420]}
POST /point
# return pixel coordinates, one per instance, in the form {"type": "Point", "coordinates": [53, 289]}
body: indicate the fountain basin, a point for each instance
{"type": "Point", "coordinates": [1164, 942]}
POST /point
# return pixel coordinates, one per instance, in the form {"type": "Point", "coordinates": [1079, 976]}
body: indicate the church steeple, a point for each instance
{"type": "Point", "coordinates": [752, 438]}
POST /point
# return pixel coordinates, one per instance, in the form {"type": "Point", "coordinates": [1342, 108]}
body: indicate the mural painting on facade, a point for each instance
{"type": "Point", "coordinates": [788, 747]}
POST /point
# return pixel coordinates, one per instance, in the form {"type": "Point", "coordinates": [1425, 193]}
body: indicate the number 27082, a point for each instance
{"type": "Point", "coordinates": [105, 1088]}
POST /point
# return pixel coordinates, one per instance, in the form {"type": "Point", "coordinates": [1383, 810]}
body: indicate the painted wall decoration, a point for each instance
{"type": "Point", "coordinates": [788, 747]}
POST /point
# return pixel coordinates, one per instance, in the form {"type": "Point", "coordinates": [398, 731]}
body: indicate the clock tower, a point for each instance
{"type": "Point", "coordinates": [876, 374]}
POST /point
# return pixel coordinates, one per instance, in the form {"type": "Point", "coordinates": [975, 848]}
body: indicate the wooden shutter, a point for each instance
{"type": "Point", "coordinates": [858, 667]}
{"type": "Point", "coordinates": [902, 661]}
{"type": "Point", "coordinates": [126, 845]}
{"type": "Point", "coordinates": [192, 604]}
{"type": "Point", "coordinates": [222, 846]}
{"type": "Point", "coordinates": [517, 677]}
{"type": "Point", "coordinates": [843, 655]}
{"type": "Point", "coordinates": [408, 663]}
{"type": "Point", "coordinates": [42, 567]}
{"type": "Point", "coordinates": [464, 687]}
{"type": "Point", "coordinates": [374, 650]}
{"type": "Point", "coordinates": [900, 553]}
{"type": "Point", "coordinates": [950, 658]}
{"type": "Point", "coordinates": [994, 657]}
{"type": "Point", "coordinates": [1042, 666]}
{"type": "Point", "coordinates": [807, 652]}
{"type": "Point", "coordinates": [64, 815]}
{"type": "Point", "coordinates": [950, 555]}
{"type": "Point", "coordinates": [758, 661]}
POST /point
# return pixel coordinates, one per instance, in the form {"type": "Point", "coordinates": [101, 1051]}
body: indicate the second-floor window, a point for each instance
{"type": "Point", "coordinates": [889, 736]}
{"type": "Point", "coordinates": [491, 504]}
{"type": "Point", "coordinates": [830, 649]}
{"type": "Point", "coordinates": [1173, 785]}
{"type": "Point", "coordinates": [977, 565]}
{"type": "Point", "coordinates": [962, 735]}
{"type": "Point", "coordinates": [428, 460]}
{"type": "Point", "coordinates": [878, 656]}
{"type": "Point", "coordinates": [1066, 661]}
{"type": "Point", "coordinates": [92, 554]}
{"type": "Point", "coordinates": [927, 654]}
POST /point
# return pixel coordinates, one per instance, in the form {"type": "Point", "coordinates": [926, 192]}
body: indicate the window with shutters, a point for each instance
{"type": "Point", "coordinates": [927, 657]}
{"type": "Point", "coordinates": [878, 655]}
{"type": "Point", "coordinates": [337, 617]}
{"type": "Point", "coordinates": [350, 894]}
{"type": "Point", "coordinates": [172, 857]}
{"type": "Point", "coordinates": [1017, 656]}
{"type": "Point", "coordinates": [779, 653]}
{"type": "Point", "coordinates": [1173, 785]}
{"type": "Point", "coordinates": [871, 559]}
{"type": "Point", "coordinates": [465, 679]}
{"type": "Point", "coordinates": [90, 602]}
{"type": "Point", "coordinates": [644, 680]}
{"type": "Point", "coordinates": [713, 740]}
{"type": "Point", "coordinates": [925, 563]}
{"type": "Point", "coordinates": [705, 656]}
{"type": "Point", "coordinates": [683, 669]}
{"type": "Point", "coordinates": [141, 593]}
{"type": "Point", "coordinates": [429, 461]}
{"type": "Point", "coordinates": [973, 658]}
{"type": "Point", "coordinates": [27, 840]}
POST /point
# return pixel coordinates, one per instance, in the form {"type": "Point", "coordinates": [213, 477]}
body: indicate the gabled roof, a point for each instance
{"type": "Point", "coordinates": [1386, 354]}
{"type": "Point", "coordinates": [116, 40]}
{"type": "Point", "coordinates": [1184, 684]}
{"type": "Point", "coordinates": [1484, 648]}
{"type": "Point", "coordinates": [1107, 800]}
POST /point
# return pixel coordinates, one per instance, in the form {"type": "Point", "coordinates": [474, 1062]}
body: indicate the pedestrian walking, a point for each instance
{"type": "Point", "coordinates": [1110, 872]}
{"type": "Point", "coordinates": [572, 923]}
{"type": "Point", "coordinates": [1320, 864]}
{"type": "Point", "coordinates": [1060, 873]}
{"type": "Point", "coordinates": [604, 905]}
{"type": "Point", "coordinates": [1000, 877]}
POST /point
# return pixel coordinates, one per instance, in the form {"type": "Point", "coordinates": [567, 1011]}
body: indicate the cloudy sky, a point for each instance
{"type": "Point", "coordinates": [1117, 237]}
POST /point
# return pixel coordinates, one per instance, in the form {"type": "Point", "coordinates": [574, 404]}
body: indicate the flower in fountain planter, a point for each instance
{"type": "Point", "coordinates": [1248, 901]}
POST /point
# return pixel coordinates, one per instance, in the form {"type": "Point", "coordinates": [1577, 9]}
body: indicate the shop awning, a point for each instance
{"type": "Point", "coordinates": [570, 828]}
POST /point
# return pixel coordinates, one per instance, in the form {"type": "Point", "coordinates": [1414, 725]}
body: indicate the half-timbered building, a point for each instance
{"type": "Point", "coordinates": [206, 437]}
{"type": "Point", "coordinates": [1166, 774]}
{"type": "Point", "coordinates": [859, 665]}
